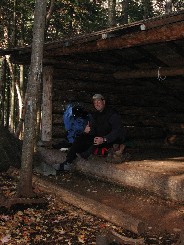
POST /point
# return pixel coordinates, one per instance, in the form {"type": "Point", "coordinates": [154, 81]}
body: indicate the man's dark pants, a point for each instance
{"type": "Point", "coordinates": [82, 144]}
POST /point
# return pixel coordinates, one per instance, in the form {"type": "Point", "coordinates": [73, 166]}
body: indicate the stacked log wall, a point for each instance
{"type": "Point", "coordinates": [151, 110]}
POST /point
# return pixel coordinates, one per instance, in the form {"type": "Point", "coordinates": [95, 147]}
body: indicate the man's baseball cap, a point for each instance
{"type": "Point", "coordinates": [98, 97]}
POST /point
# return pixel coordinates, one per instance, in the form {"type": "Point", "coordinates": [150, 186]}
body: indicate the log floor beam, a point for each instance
{"type": "Point", "coordinates": [92, 206]}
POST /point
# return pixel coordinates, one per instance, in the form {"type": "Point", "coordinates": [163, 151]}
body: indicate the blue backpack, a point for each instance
{"type": "Point", "coordinates": [75, 120]}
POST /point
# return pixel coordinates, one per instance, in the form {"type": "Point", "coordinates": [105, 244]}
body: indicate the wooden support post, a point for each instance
{"type": "Point", "coordinates": [46, 123]}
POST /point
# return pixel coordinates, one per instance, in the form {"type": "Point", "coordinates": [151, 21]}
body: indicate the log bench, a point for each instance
{"type": "Point", "coordinates": [162, 175]}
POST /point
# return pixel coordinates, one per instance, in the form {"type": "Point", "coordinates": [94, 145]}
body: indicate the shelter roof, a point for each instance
{"type": "Point", "coordinates": [147, 44]}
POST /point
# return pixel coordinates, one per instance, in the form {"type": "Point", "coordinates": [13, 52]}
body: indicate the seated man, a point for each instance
{"type": "Point", "coordinates": [103, 130]}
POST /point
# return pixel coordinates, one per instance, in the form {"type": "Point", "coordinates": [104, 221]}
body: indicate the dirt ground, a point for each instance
{"type": "Point", "coordinates": [59, 222]}
{"type": "Point", "coordinates": [159, 214]}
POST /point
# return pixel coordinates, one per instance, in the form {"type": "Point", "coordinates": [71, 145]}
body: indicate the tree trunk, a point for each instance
{"type": "Point", "coordinates": [147, 5]}
{"type": "Point", "coordinates": [7, 102]}
{"type": "Point", "coordinates": [125, 12]}
{"type": "Point", "coordinates": [168, 6]}
{"type": "Point", "coordinates": [2, 89]}
{"type": "Point", "coordinates": [49, 13]}
{"type": "Point", "coordinates": [12, 94]}
{"type": "Point", "coordinates": [111, 13]}
{"type": "Point", "coordinates": [25, 183]}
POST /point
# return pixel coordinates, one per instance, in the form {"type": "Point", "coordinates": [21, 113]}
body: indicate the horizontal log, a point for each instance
{"type": "Point", "coordinates": [153, 120]}
{"type": "Point", "coordinates": [85, 66]}
{"type": "Point", "coordinates": [58, 131]}
{"type": "Point", "coordinates": [83, 76]}
{"type": "Point", "coordinates": [172, 141]}
{"type": "Point", "coordinates": [89, 205]}
{"type": "Point", "coordinates": [50, 156]}
{"type": "Point", "coordinates": [144, 132]}
{"type": "Point", "coordinates": [177, 128]}
{"type": "Point", "coordinates": [57, 119]}
{"type": "Point", "coordinates": [72, 95]}
{"type": "Point", "coordinates": [139, 99]}
{"type": "Point", "coordinates": [68, 84]}
{"type": "Point", "coordinates": [175, 83]}
{"type": "Point", "coordinates": [142, 120]}
{"type": "Point", "coordinates": [175, 140]}
{"type": "Point", "coordinates": [146, 143]}
{"type": "Point", "coordinates": [106, 88]}
{"type": "Point", "coordinates": [139, 137]}
{"type": "Point", "coordinates": [173, 122]}
{"type": "Point", "coordinates": [164, 33]}
{"type": "Point", "coordinates": [172, 117]}
{"type": "Point", "coordinates": [122, 29]}
{"type": "Point", "coordinates": [133, 132]}
{"type": "Point", "coordinates": [176, 71]}
{"type": "Point", "coordinates": [58, 107]}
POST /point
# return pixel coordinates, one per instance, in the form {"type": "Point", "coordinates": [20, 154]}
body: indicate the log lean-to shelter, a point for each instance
{"type": "Point", "coordinates": [139, 68]}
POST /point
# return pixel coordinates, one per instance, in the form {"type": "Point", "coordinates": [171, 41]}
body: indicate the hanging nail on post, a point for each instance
{"type": "Point", "coordinates": [159, 76]}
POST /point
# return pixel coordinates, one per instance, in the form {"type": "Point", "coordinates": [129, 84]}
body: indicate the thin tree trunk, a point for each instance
{"type": "Point", "coordinates": [125, 12]}
{"type": "Point", "coordinates": [2, 88]}
{"type": "Point", "coordinates": [168, 6]}
{"type": "Point", "coordinates": [21, 94]}
{"type": "Point", "coordinates": [12, 94]}
{"type": "Point", "coordinates": [19, 129]}
{"type": "Point", "coordinates": [22, 81]}
{"type": "Point", "coordinates": [12, 72]}
{"type": "Point", "coordinates": [111, 13]}
{"type": "Point", "coordinates": [25, 183]}
{"type": "Point", "coordinates": [148, 9]}
{"type": "Point", "coordinates": [19, 98]}
{"type": "Point", "coordinates": [21, 120]}
{"type": "Point", "coordinates": [14, 34]}
{"type": "Point", "coordinates": [7, 98]}
{"type": "Point", "coordinates": [49, 14]}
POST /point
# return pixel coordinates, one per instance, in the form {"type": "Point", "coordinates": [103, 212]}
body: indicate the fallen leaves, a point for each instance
{"type": "Point", "coordinates": [56, 223]}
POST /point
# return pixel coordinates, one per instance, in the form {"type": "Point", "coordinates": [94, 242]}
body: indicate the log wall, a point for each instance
{"type": "Point", "coordinates": [152, 110]}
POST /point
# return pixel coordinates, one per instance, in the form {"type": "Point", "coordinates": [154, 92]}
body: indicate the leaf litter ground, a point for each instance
{"type": "Point", "coordinates": [55, 223]}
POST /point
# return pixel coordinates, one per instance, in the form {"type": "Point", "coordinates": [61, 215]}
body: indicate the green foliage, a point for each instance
{"type": "Point", "coordinates": [73, 17]}
{"type": "Point", "coordinates": [16, 22]}
{"type": "Point", "coordinates": [159, 6]}
{"type": "Point", "coordinates": [140, 9]}
{"type": "Point", "coordinates": [69, 17]}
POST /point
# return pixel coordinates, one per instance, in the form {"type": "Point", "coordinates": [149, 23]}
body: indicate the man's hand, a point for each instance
{"type": "Point", "coordinates": [87, 129]}
{"type": "Point", "coordinates": [98, 140]}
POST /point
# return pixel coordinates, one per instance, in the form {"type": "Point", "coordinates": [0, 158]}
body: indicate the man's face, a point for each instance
{"type": "Point", "coordinates": [99, 104]}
